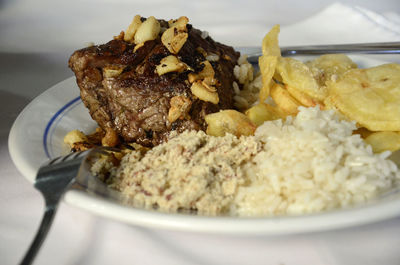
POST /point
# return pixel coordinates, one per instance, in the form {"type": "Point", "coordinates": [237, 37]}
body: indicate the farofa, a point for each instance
{"type": "Point", "coordinates": [192, 171]}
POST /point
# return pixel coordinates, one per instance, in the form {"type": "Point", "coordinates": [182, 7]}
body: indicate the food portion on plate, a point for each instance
{"type": "Point", "coordinates": [200, 132]}
{"type": "Point", "coordinates": [370, 97]}
{"type": "Point", "coordinates": [305, 164]}
{"type": "Point", "coordinates": [157, 76]}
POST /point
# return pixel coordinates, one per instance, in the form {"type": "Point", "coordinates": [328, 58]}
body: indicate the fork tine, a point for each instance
{"type": "Point", "coordinates": [79, 155]}
{"type": "Point", "coordinates": [67, 157]}
{"type": "Point", "coordinates": [104, 150]}
{"type": "Point", "coordinates": [51, 162]}
{"type": "Point", "coordinates": [53, 179]}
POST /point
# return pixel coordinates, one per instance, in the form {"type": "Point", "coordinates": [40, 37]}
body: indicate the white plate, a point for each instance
{"type": "Point", "coordinates": [37, 135]}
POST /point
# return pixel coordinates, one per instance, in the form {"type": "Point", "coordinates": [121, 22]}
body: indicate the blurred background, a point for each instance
{"type": "Point", "coordinates": [46, 32]}
{"type": "Point", "coordinates": [36, 39]}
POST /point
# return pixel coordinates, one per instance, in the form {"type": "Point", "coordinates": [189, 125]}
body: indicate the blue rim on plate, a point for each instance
{"type": "Point", "coordinates": [48, 132]}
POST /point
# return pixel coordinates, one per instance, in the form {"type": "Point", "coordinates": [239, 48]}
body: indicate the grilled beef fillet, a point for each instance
{"type": "Point", "coordinates": [134, 100]}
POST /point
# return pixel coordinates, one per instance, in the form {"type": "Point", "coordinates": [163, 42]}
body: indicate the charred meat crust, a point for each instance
{"type": "Point", "coordinates": [136, 102]}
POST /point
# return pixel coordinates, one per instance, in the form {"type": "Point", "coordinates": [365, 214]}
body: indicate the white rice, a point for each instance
{"type": "Point", "coordinates": [312, 163]}
{"type": "Point", "coordinates": [250, 84]}
{"type": "Point", "coordinates": [305, 164]}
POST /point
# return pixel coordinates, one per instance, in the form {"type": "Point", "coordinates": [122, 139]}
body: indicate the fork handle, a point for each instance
{"type": "Point", "coordinates": [359, 48]}
{"type": "Point", "coordinates": [371, 48]}
{"type": "Point", "coordinates": [47, 219]}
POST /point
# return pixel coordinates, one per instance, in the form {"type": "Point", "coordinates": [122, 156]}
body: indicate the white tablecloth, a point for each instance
{"type": "Point", "coordinates": [36, 39]}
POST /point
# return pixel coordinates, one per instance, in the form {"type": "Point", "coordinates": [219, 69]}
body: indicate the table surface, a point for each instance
{"type": "Point", "coordinates": [37, 37]}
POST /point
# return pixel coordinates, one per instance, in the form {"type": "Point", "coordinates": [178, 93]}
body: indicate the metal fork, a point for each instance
{"type": "Point", "coordinates": [365, 48]}
{"type": "Point", "coordinates": [52, 180]}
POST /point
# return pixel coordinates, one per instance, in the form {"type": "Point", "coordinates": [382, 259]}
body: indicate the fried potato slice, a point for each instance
{"type": "Point", "coordinates": [262, 112]}
{"type": "Point", "coordinates": [384, 141]}
{"type": "Point", "coordinates": [267, 65]}
{"type": "Point", "coordinates": [270, 43]}
{"type": "Point", "coordinates": [284, 100]}
{"type": "Point", "coordinates": [297, 75]}
{"type": "Point", "coordinates": [268, 61]}
{"type": "Point", "coordinates": [229, 121]}
{"type": "Point", "coordinates": [302, 98]}
{"type": "Point", "coordinates": [330, 66]}
{"type": "Point", "coordinates": [370, 96]}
